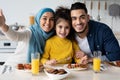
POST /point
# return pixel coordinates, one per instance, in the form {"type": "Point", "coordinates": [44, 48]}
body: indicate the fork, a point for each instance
{"type": "Point", "coordinates": [10, 69]}
{"type": "Point", "coordinates": [5, 69]}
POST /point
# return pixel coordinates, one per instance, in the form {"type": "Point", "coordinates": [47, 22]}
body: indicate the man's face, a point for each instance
{"type": "Point", "coordinates": [79, 20]}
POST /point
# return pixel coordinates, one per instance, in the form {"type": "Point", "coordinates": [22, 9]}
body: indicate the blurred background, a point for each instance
{"type": "Point", "coordinates": [17, 13]}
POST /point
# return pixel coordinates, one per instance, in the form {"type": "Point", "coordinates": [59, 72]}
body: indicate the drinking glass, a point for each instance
{"type": "Point", "coordinates": [96, 61]}
{"type": "Point", "coordinates": [35, 57]}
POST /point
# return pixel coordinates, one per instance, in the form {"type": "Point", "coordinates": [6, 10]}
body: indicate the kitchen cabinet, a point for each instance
{"type": "Point", "coordinates": [7, 48]}
{"type": "Point", "coordinates": [4, 57]}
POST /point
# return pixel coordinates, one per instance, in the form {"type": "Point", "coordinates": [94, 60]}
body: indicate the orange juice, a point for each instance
{"type": "Point", "coordinates": [35, 66]}
{"type": "Point", "coordinates": [31, 19]}
{"type": "Point", "coordinates": [96, 64]}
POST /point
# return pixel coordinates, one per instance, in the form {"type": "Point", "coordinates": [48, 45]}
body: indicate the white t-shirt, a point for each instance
{"type": "Point", "coordinates": [84, 46]}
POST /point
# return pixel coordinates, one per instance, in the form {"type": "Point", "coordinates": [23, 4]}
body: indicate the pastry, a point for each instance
{"type": "Point", "coordinates": [20, 66]}
{"type": "Point", "coordinates": [27, 66]}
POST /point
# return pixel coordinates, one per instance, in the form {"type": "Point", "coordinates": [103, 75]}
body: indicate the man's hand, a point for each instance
{"type": "Point", "coordinates": [2, 18]}
{"type": "Point", "coordinates": [84, 60]}
{"type": "Point", "coordinates": [79, 54]}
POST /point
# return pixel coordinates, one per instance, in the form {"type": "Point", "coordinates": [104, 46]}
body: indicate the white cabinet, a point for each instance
{"type": "Point", "coordinates": [4, 56]}
{"type": "Point", "coordinates": [7, 46]}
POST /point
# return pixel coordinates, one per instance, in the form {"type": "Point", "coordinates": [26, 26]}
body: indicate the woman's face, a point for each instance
{"type": "Point", "coordinates": [62, 28]}
{"type": "Point", "coordinates": [47, 21]}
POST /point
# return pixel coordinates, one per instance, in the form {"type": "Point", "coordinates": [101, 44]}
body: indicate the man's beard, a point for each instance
{"type": "Point", "coordinates": [82, 31]}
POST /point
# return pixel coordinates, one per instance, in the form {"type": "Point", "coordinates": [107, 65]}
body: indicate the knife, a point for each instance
{"type": "Point", "coordinates": [4, 70]}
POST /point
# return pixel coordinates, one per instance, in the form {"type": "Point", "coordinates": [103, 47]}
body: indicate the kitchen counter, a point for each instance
{"type": "Point", "coordinates": [109, 73]}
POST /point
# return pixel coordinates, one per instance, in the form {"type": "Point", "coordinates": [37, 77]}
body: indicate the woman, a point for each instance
{"type": "Point", "coordinates": [30, 40]}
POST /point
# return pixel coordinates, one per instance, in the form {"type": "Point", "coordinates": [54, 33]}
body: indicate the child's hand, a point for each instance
{"type": "Point", "coordinates": [79, 54]}
{"type": "Point", "coordinates": [51, 62]}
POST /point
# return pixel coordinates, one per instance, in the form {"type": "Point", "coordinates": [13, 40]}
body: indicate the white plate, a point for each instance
{"type": "Point", "coordinates": [22, 70]}
{"type": "Point", "coordinates": [74, 69]}
{"type": "Point", "coordinates": [115, 67]}
{"type": "Point", "coordinates": [57, 76]}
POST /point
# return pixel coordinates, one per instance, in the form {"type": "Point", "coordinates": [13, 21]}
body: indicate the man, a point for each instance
{"type": "Point", "coordinates": [93, 36]}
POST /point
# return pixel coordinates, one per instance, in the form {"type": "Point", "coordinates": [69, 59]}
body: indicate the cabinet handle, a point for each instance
{"type": "Point", "coordinates": [7, 44]}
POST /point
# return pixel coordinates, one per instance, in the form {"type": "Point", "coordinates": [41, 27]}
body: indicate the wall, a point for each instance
{"type": "Point", "coordinates": [20, 10]}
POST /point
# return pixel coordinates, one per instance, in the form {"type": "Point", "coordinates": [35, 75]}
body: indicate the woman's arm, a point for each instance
{"type": "Point", "coordinates": [3, 26]}
{"type": "Point", "coordinates": [11, 34]}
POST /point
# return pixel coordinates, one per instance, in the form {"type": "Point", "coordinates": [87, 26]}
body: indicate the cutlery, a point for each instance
{"type": "Point", "coordinates": [102, 68]}
{"type": "Point", "coordinates": [10, 69]}
{"type": "Point", "coordinates": [4, 70]}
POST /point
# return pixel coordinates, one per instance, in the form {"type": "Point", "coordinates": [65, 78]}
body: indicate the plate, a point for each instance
{"type": "Point", "coordinates": [75, 68]}
{"type": "Point", "coordinates": [23, 67]}
{"type": "Point", "coordinates": [115, 66]}
{"type": "Point", "coordinates": [56, 76]}
{"type": "Point", "coordinates": [23, 70]}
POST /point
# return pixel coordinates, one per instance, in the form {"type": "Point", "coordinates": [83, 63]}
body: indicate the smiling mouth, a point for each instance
{"type": "Point", "coordinates": [63, 35]}
{"type": "Point", "coordinates": [79, 27]}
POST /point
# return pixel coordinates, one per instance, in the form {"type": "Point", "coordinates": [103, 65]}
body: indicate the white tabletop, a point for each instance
{"type": "Point", "coordinates": [109, 74]}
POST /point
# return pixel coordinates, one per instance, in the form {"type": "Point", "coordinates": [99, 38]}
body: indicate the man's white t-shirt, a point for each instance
{"type": "Point", "coordinates": [84, 46]}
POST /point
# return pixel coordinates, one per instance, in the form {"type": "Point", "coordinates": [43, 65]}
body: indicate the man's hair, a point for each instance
{"type": "Point", "coordinates": [78, 5]}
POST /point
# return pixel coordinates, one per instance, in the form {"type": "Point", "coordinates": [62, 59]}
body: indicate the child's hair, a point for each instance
{"type": "Point", "coordinates": [63, 13]}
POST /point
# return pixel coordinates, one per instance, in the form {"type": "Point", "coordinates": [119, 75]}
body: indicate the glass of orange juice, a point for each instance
{"type": "Point", "coordinates": [35, 61]}
{"type": "Point", "coordinates": [96, 61]}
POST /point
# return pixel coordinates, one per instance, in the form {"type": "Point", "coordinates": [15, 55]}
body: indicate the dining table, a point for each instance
{"type": "Point", "coordinates": [107, 73]}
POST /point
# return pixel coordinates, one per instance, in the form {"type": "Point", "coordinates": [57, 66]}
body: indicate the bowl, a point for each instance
{"type": "Point", "coordinates": [56, 76]}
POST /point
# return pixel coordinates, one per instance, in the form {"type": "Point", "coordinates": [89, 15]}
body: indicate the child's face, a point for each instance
{"type": "Point", "coordinates": [62, 28]}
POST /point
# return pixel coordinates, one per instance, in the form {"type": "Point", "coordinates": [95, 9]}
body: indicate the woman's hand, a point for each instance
{"type": "Point", "coordinates": [3, 26]}
{"type": "Point", "coordinates": [51, 62]}
{"type": "Point", "coordinates": [2, 19]}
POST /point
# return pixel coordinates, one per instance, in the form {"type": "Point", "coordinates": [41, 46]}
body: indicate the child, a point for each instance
{"type": "Point", "coordinates": [59, 48]}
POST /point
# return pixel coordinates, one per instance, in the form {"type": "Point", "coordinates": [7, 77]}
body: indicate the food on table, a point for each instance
{"type": "Point", "coordinates": [56, 71]}
{"type": "Point", "coordinates": [71, 66]}
{"type": "Point", "coordinates": [61, 71]}
{"type": "Point", "coordinates": [114, 63]}
{"type": "Point", "coordinates": [27, 66]}
{"type": "Point", "coordinates": [24, 66]}
{"type": "Point", "coordinates": [20, 66]}
{"type": "Point", "coordinates": [118, 63]}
